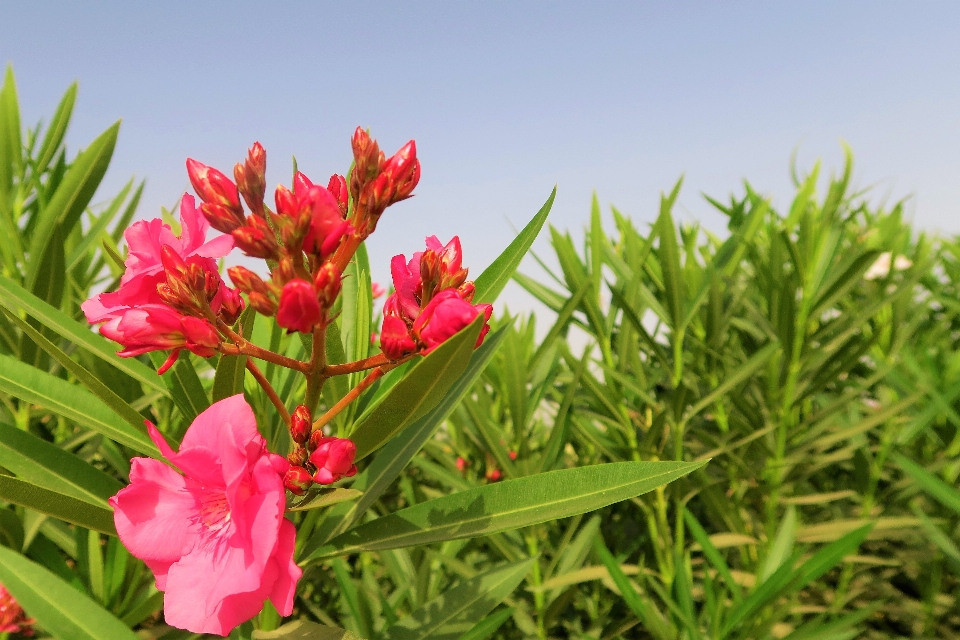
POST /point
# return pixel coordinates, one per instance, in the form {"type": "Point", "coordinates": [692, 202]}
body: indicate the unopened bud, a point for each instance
{"type": "Point", "coordinates": [338, 187]}
{"type": "Point", "coordinates": [403, 172]}
{"type": "Point", "coordinates": [395, 340]}
{"type": "Point", "coordinates": [212, 186]}
{"type": "Point", "coordinates": [462, 464]}
{"type": "Point", "coordinates": [494, 475]}
{"type": "Point", "coordinates": [287, 202]}
{"type": "Point", "coordinates": [429, 276]}
{"type": "Point", "coordinates": [297, 480]}
{"type": "Point", "coordinates": [298, 456]}
{"type": "Point", "coordinates": [222, 218]}
{"type": "Point", "coordinates": [256, 239]}
{"type": "Point", "coordinates": [466, 291]}
{"type": "Point", "coordinates": [333, 458]}
{"type": "Point", "coordinates": [246, 280]}
{"type": "Point", "coordinates": [299, 309]}
{"type": "Point", "coordinates": [231, 304]}
{"type": "Point", "coordinates": [367, 160]}
{"type": "Point", "coordinates": [327, 284]}
{"type": "Point", "coordinates": [262, 303]}
{"type": "Point", "coordinates": [251, 177]}
{"type": "Point", "coordinates": [300, 424]}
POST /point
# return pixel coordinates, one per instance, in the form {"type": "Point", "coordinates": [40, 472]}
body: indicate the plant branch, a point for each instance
{"type": "Point", "coordinates": [270, 391]}
{"type": "Point", "coordinates": [352, 367]}
{"type": "Point", "coordinates": [347, 399]}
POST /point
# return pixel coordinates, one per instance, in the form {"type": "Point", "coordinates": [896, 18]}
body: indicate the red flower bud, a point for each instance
{"type": "Point", "coordinates": [201, 337]}
{"type": "Point", "coordinates": [299, 309]}
{"type": "Point", "coordinates": [287, 202]}
{"type": "Point", "coordinates": [247, 281]}
{"type": "Point", "coordinates": [213, 187]}
{"type": "Point", "coordinates": [494, 475]}
{"type": "Point", "coordinates": [403, 172]}
{"type": "Point", "coordinates": [300, 424]}
{"type": "Point", "coordinates": [466, 291]}
{"type": "Point", "coordinates": [298, 457]}
{"type": "Point", "coordinates": [222, 218]}
{"type": "Point", "coordinates": [251, 177]}
{"type": "Point", "coordinates": [333, 458]}
{"type": "Point", "coordinates": [256, 239]}
{"type": "Point", "coordinates": [327, 284]}
{"type": "Point", "coordinates": [445, 315]}
{"type": "Point", "coordinates": [231, 304]}
{"type": "Point", "coordinates": [338, 187]}
{"type": "Point", "coordinates": [462, 464]}
{"type": "Point", "coordinates": [367, 160]}
{"type": "Point", "coordinates": [262, 303]}
{"type": "Point", "coordinates": [395, 341]}
{"type": "Point", "coordinates": [297, 480]}
{"type": "Point", "coordinates": [513, 455]}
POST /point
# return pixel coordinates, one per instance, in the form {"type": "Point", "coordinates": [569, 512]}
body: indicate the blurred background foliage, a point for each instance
{"type": "Point", "coordinates": [810, 353]}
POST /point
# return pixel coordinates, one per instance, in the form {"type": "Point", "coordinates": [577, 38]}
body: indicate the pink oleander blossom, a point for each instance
{"type": "Point", "coordinates": [144, 272]}
{"type": "Point", "coordinates": [12, 617]}
{"type": "Point", "coordinates": [445, 315]}
{"type": "Point", "coordinates": [214, 536]}
{"type": "Point", "coordinates": [333, 458]}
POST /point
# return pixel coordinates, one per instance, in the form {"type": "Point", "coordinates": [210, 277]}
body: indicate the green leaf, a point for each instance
{"type": "Point", "coordinates": [324, 498]}
{"type": "Point", "coordinates": [59, 505]}
{"type": "Point", "coordinates": [70, 401]}
{"type": "Point", "coordinates": [674, 291]}
{"type": "Point", "coordinates": [495, 277]}
{"type": "Point", "coordinates": [57, 129]}
{"type": "Point", "coordinates": [304, 630]}
{"type": "Point", "coordinates": [184, 384]}
{"type": "Point", "coordinates": [228, 380]}
{"type": "Point", "coordinates": [649, 616]}
{"type": "Point", "coordinates": [489, 625]}
{"type": "Point", "coordinates": [14, 297]}
{"type": "Point", "coordinates": [457, 610]}
{"type": "Point", "coordinates": [48, 466]}
{"type": "Point", "coordinates": [72, 196]}
{"type": "Point", "coordinates": [89, 380]}
{"type": "Point", "coordinates": [11, 152]}
{"type": "Point", "coordinates": [58, 607]}
{"type": "Point", "coordinates": [938, 489]}
{"type": "Point", "coordinates": [509, 505]}
{"type": "Point", "coordinates": [394, 456]}
{"type": "Point", "coordinates": [712, 553]}
{"type": "Point", "coordinates": [418, 392]}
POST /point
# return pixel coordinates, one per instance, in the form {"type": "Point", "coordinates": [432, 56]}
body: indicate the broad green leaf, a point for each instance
{"type": "Point", "coordinates": [457, 610]}
{"type": "Point", "coordinates": [15, 297]}
{"type": "Point", "coordinates": [511, 504]}
{"type": "Point", "coordinates": [231, 370]}
{"type": "Point", "coordinates": [90, 381]}
{"type": "Point", "coordinates": [495, 277]}
{"type": "Point", "coordinates": [419, 391]}
{"type": "Point", "coordinates": [938, 489]}
{"type": "Point", "coordinates": [394, 456]}
{"type": "Point", "coordinates": [47, 465]}
{"type": "Point", "coordinates": [59, 505]}
{"type": "Point", "coordinates": [59, 608]}
{"type": "Point", "coordinates": [72, 196]}
{"type": "Point", "coordinates": [305, 630]}
{"type": "Point", "coordinates": [324, 498]}
{"type": "Point", "coordinates": [70, 401]}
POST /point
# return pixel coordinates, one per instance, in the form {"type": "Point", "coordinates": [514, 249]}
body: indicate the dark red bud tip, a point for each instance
{"type": "Point", "coordinates": [300, 424]}
{"type": "Point", "coordinates": [212, 186]}
{"type": "Point", "coordinates": [298, 457]}
{"type": "Point", "coordinates": [297, 480]}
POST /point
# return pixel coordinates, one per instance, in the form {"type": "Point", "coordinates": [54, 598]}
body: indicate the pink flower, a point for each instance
{"type": "Point", "coordinates": [395, 341]}
{"type": "Point", "coordinates": [406, 283]}
{"type": "Point", "coordinates": [215, 537]}
{"type": "Point", "coordinates": [445, 315]}
{"type": "Point", "coordinates": [333, 458]}
{"type": "Point", "coordinates": [376, 290]}
{"type": "Point", "coordinates": [157, 327]}
{"type": "Point", "coordinates": [12, 617]}
{"type": "Point", "coordinates": [299, 309]}
{"type": "Point", "coordinates": [144, 272]}
{"type": "Point", "coordinates": [327, 225]}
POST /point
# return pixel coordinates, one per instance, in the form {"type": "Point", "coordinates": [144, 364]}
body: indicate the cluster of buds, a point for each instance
{"type": "Point", "coordinates": [376, 181]}
{"type": "Point", "coordinates": [316, 458]}
{"type": "Point", "coordinates": [171, 296]}
{"type": "Point", "coordinates": [12, 617]}
{"type": "Point", "coordinates": [432, 301]}
{"type": "Point", "coordinates": [303, 234]}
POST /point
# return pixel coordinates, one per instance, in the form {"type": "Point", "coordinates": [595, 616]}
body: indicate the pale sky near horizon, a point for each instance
{"type": "Point", "coordinates": [506, 99]}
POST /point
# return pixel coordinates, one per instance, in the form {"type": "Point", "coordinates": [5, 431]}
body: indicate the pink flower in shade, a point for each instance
{"type": "Point", "coordinates": [395, 340]}
{"type": "Point", "coordinates": [333, 458]}
{"type": "Point", "coordinates": [144, 272]}
{"type": "Point", "coordinates": [406, 282]}
{"type": "Point", "coordinates": [12, 617]}
{"type": "Point", "coordinates": [157, 327]}
{"type": "Point", "coordinates": [299, 309]}
{"type": "Point", "coordinates": [215, 536]}
{"type": "Point", "coordinates": [377, 290]}
{"type": "Point", "coordinates": [445, 315]}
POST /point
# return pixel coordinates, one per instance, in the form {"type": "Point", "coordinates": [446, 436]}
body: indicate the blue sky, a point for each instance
{"type": "Point", "coordinates": [506, 99]}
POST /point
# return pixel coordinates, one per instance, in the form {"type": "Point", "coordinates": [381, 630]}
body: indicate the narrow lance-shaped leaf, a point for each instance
{"type": "Point", "coordinates": [419, 391]}
{"type": "Point", "coordinates": [231, 370]}
{"type": "Point", "coordinates": [495, 277]}
{"type": "Point", "coordinates": [59, 505]}
{"type": "Point", "coordinates": [457, 610]}
{"type": "Point", "coordinates": [70, 401]}
{"type": "Point", "coordinates": [60, 609]}
{"type": "Point", "coordinates": [511, 504]}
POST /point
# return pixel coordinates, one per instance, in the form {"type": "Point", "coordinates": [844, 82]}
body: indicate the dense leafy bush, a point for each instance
{"type": "Point", "coordinates": [810, 355]}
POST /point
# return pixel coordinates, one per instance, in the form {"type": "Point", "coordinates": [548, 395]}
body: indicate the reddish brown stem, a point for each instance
{"type": "Point", "coordinates": [268, 388]}
{"type": "Point", "coordinates": [353, 367]}
{"type": "Point", "coordinates": [347, 399]}
{"type": "Point", "coordinates": [249, 349]}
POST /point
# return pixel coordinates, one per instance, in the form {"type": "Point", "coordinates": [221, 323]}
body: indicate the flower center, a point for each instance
{"type": "Point", "coordinates": [214, 510]}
